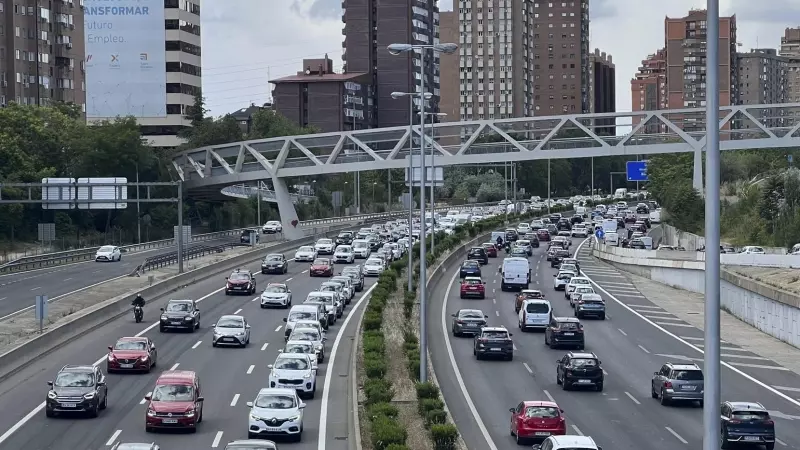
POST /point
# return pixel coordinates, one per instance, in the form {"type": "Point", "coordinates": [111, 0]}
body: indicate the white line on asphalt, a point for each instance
{"type": "Point", "coordinates": [197, 344]}
{"type": "Point", "coordinates": [758, 366]}
{"type": "Point", "coordinates": [113, 438]}
{"type": "Point", "coordinates": [279, 328]}
{"type": "Point", "coordinates": [657, 313]}
{"type": "Point", "coordinates": [237, 311]}
{"type": "Point", "coordinates": [528, 368]}
{"type": "Point", "coordinates": [288, 280]}
{"type": "Point", "coordinates": [549, 397]}
{"type": "Point", "coordinates": [701, 339]}
{"type": "Point", "coordinates": [1, 299]}
{"type": "Point", "coordinates": [604, 372]}
{"type": "Point", "coordinates": [494, 301]}
{"type": "Point", "coordinates": [305, 271]}
{"type": "Point", "coordinates": [143, 401]}
{"type": "Point", "coordinates": [250, 369]}
{"type": "Point", "coordinates": [780, 442]}
{"type": "Point", "coordinates": [37, 287]}
{"type": "Point", "coordinates": [644, 306]}
{"type": "Point", "coordinates": [730, 349]}
{"type": "Point", "coordinates": [497, 313]}
{"type": "Point", "coordinates": [643, 349]}
{"type": "Point", "coordinates": [677, 436]}
{"type": "Point", "coordinates": [668, 324]}
{"type": "Point", "coordinates": [514, 346]}
{"type": "Point", "coordinates": [577, 430]}
{"type": "Point", "coordinates": [326, 388]}
{"type": "Point", "coordinates": [217, 438]}
{"type": "Point", "coordinates": [632, 398]}
{"type": "Point", "coordinates": [790, 389]}
{"type": "Point", "coordinates": [67, 279]}
{"type": "Point", "coordinates": [235, 400]}
{"type": "Point", "coordinates": [264, 347]}
{"type": "Point", "coordinates": [688, 344]}
{"type": "Point", "coordinates": [623, 333]}
{"type": "Point", "coordinates": [731, 355]}
{"type": "Point", "coordinates": [174, 366]}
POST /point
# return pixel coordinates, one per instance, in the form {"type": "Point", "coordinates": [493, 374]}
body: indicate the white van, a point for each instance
{"type": "Point", "coordinates": [516, 273]}
{"type": "Point", "coordinates": [655, 216]}
{"type": "Point", "coordinates": [361, 248]}
{"type": "Point", "coordinates": [610, 226]}
{"type": "Point", "coordinates": [611, 239]}
{"type": "Point", "coordinates": [620, 194]}
{"type": "Point", "coordinates": [535, 313]}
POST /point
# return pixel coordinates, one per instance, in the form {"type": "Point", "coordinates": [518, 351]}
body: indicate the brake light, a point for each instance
{"type": "Point", "coordinates": [459, 322]}
{"type": "Point", "coordinates": [668, 384]}
{"type": "Point", "coordinates": [768, 422]}
{"type": "Point", "coordinates": [734, 421]}
{"type": "Point", "coordinates": [483, 340]}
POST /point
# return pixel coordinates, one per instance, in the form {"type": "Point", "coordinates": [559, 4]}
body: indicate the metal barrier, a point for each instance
{"type": "Point", "coordinates": [191, 252]}
{"type": "Point", "coordinates": [87, 254]}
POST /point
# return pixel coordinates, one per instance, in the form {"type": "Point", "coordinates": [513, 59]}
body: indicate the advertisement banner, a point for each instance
{"type": "Point", "coordinates": [125, 58]}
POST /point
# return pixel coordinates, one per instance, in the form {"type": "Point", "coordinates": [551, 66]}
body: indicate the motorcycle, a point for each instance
{"type": "Point", "coordinates": [138, 313]}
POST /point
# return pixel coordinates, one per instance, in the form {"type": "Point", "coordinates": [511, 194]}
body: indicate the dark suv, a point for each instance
{"type": "Point", "coordinates": [180, 315]}
{"type": "Point", "coordinates": [579, 369]}
{"type": "Point", "coordinates": [493, 341]}
{"type": "Point", "coordinates": [746, 423]}
{"type": "Point", "coordinates": [478, 254]}
{"type": "Point", "coordinates": [77, 389]}
{"type": "Point", "coordinates": [564, 331]}
{"type": "Point", "coordinates": [564, 225]}
{"type": "Point", "coordinates": [344, 238]}
{"type": "Point", "coordinates": [244, 238]}
{"type": "Point", "coordinates": [511, 235]}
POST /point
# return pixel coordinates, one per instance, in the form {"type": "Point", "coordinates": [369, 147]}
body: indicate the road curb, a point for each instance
{"type": "Point", "coordinates": [355, 422]}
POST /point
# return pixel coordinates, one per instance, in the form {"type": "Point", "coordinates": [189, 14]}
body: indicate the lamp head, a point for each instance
{"type": "Point", "coordinates": [446, 48]}
{"type": "Point", "coordinates": [396, 95]}
{"type": "Point", "coordinates": [396, 49]}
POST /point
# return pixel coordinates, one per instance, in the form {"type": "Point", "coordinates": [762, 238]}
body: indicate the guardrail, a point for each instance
{"type": "Point", "coordinates": [191, 252]}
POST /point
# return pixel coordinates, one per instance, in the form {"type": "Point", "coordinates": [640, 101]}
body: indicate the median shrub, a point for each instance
{"type": "Point", "coordinates": [382, 409]}
{"type": "Point", "coordinates": [387, 431]}
{"type": "Point", "coordinates": [444, 435]}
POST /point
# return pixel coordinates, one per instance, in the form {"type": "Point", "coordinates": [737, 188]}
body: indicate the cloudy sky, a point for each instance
{"type": "Point", "coordinates": [247, 42]}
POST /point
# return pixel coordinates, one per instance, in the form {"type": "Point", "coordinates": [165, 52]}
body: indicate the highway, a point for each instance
{"type": "Point", "coordinates": [230, 376]}
{"type": "Point", "coordinates": [633, 342]}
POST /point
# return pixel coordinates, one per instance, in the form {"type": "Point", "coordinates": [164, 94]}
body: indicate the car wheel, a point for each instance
{"type": "Point", "coordinates": [49, 413]}
{"type": "Point", "coordinates": [104, 405]}
{"type": "Point", "coordinates": [510, 357]}
{"type": "Point", "coordinates": [565, 385]}
{"type": "Point", "coordinates": [724, 438]}
{"type": "Point", "coordinates": [599, 387]}
{"type": "Point", "coordinates": [664, 399]}
{"type": "Point", "coordinates": [95, 411]}
{"type": "Point", "coordinates": [653, 392]}
{"type": "Point", "coordinates": [148, 430]}
{"type": "Point", "coordinates": [160, 328]}
{"type": "Point", "coordinates": [558, 379]}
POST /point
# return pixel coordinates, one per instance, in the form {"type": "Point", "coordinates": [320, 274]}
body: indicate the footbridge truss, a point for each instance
{"type": "Point", "coordinates": [267, 194]}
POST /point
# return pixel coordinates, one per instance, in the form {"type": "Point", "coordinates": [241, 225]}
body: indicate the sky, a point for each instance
{"type": "Point", "coordinates": [248, 42]}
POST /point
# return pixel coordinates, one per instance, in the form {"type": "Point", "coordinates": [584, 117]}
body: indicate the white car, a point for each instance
{"type": "Point", "coordinates": [294, 371]}
{"type": "Point", "coordinates": [373, 267]}
{"type": "Point", "coordinates": [108, 253]}
{"type": "Point", "coordinates": [580, 231]}
{"type": "Point", "coordinates": [324, 247]}
{"type": "Point", "coordinates": [561, 280]}
{"type": "Point", "coordinates": [393, 249]}
{"type": "Point", "coordinates": [276, 294]}
{"type": "Point", "coordinates": [344, 254]}
{"type": "Point", "coordinates": [361, 249]}
{"type": "Point", "coordinates": [302, 347]}
{"type": "Point", "coordinates": [305, 253]}
{"type": "Point", "coordinates": [574, 282]}
{"type": "Point", "coordinates": [308, 331]}
{"type": "Point", "coordinates": [523, 228]}
{"type": "Point", "coordinates": [272, 227]}
{"type": "Point", "coordinates": [577, 292]}
{"type": "Point", "coordinates": [275, 405]}
{"type": "Point", "coordinates": [347, 286]}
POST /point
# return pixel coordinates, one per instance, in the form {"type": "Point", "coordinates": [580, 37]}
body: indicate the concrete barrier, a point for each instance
{"type": "Point", "coordinates": [727, 259]}
{"type": "Point", "coordinates": [670, 235]}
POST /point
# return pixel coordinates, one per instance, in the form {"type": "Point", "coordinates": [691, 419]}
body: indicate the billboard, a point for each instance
{"type": "Point", "coordinates": [125, 58]}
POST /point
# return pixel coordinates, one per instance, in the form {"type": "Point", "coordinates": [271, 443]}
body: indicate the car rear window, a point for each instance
{"type": "Point", "coordinates": [239, 276]}
{"type": "Point", "coordinates": [473, 282]}
{"type": "Point", "coordinates": [751, 415]}
{"type": "Point", "coordinates": [688, 375]}
{"type": "Point", "coordinates": [583, 362]}
{"type": "Point", "coordinates": [541, 412]}
{"type": "Point", "coordinates": [495, 334]}
{"type": "Point", "coordinates": [567, 326]}
{"type": "Point", "coordinates": [537, 308]}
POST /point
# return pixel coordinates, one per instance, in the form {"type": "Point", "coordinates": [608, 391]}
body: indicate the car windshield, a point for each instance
{"type": "Point", "coordinates": [106, 248]}
{"type": "Point", "coordinates": [312, 297]}
{"type": "Point", "coordinates": [230, 322]}
{"type": "Point", "coordinates": [324, 241]}
{"type": "Point", "coordinates": [179, 307]}
{"type": "Point", "coordinates": [470, 314]}
{"type": "Point", "coordinates": [345, 235]}
{"type": "Point", "coordinates": [320, 262]}
{"type": "Point", "coordinates": [495, 334]}
{"type": "Point", "coordinates": [583, 362]}
{"type": "Point", "coordinates": [350, 271]}
{"type": "Point", "coordinates": [473, 282]}
{"type": "Point", "coordinates": [301, 315]}
{"type": "Point", "coordinates": [580, 281]}
{"type": "Point", "coordinates": [274, 258]}
{"type": "Point", "coordinates": [275, 401]}
{"type": "Point", "coordinates": [565, 276]}
{"type": "Point", "coordinates": [584, 290]}
{"type": "Point", "coordinates": [291, 364]}
{"type": "Point", "coordinates": [568, 267]}
{"type": "Point", "coordinates": [689, 375]}
{"type": "Point", "coordinates": [360, 245]}
{"type": "Point", "coordinates": [299, 348]}
{"type": "Point", "coordinates": [541, 412]}
{"type": "Point", "coordinates": [239, 276]}
{"type": "Point", "coordinates": [537, 308]}
{"type": "Point", "coordinates": [130, 345]}
{"type": "Point", "coordinates": [275, 289]}
{"type": "Point", "coordinates": [476, 251]}
{"type": "Point", "coordinates": [74, 379]}
{"type": "Point", "coordinates": [328, 288]}
{"type": "Point", "coordinates": [306, 334]}
{"type": "Point", "coordinates": [305, 249]}
{"type": "Point", "coordinates": [173, 393]}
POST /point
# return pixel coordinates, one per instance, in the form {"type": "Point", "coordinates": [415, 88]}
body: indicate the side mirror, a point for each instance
{"type": "Point", "coordinates": [110, 347]}
{"type": "Point", "coordinates": [655, 373]}
{"type": "Point", "coordinates": [226, 278]}
{"type": "Point", "coordinates": [453, 315]}
{"type": "Point", "coordinates": [247, 326]}
{"type": "Point", "coordinates": [301, 405]}
{"type": "Point", "coordinates": [162, 309]}
{"type": "Point", "coordinates": [149, 396]}
{"type": "Point", "coordinates": [101, 383]}
{"type": "Point", "coordinates": [249, 404]}
{"type": "Point", "coordinates": [324, 339]}
{"type": "Point", "coordinates": [561, 411]}
{"type": "Point", "coordinates": [49, 383]}
{"type": "Point", "coordinates": [555, 275]}
{"type": "Point", "coordinates": [599, 362]}
{"type": "Point", "coordinates": [213, 325]}
{"type": "Point", "coordinates": [284, 319]}
{"type": "Point", "coordinates": [484, 283]}
{"type": "Point", "coordinates": [269, 366]}
{"type": "Point", "coordinates": [200, 399]}
{"type": "Point", "coordinates": [485, 316]}
{"type": "Point", "coordinates": [510, 334]}
{"type": "Point", "coordinates": [511, 410]}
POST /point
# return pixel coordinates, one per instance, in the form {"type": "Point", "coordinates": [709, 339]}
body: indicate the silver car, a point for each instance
{"type": "Point", "coordinates": [305, 253]}
{"type": "Point", "coordinates": [349, 288]}
{"type": "Point", "coordinates": [341, 295]}
{"type": "Point", "coordinates": [678, 382]}
{"type": "Point", "coordinates": [303, 347]}
{"type": "Point", "coordinates": [328, 299]}
{"type": "Point", "coordinates": [251, 444]}
{"type": "Point", "coordinates": [314, 337]}
{"type": "Point", "coordinates": [231, 330]}
{"type": "Point", "coordinates": [274, 412]}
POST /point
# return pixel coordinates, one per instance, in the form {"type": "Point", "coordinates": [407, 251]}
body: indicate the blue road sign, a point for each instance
{"type": "Point", "coordinates": [599, 234]}
{"type": "Point", "coordinates": [636, 170]}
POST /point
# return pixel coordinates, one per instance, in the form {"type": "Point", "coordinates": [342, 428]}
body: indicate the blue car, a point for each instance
{"type": "Point", "coordinates": [470, 268]}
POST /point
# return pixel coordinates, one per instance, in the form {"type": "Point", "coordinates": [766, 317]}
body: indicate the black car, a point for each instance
{"type": "Point", "coordinates": [554, 218]}
{"type": "Point", "coordinates": [746, 423]}
{"type": "Point", "coordinates": [77, 389]}
{"type": "Point", "coordinates": [180, 315]}
{"type": "Point", "coordinates": [493, 341]}
{"type": "Point", "coordinates": [374, 243]}
{"type": "Point", "coordinates": [551, 228]}
{"type": "Point", "coordinates": [478, 254]}
{"type": "Point", "coordinates": [578, 369]}
{"type": "Point", "coordinates": [563, 225]}
{"type": "Point", "coordinates": [275, 263]}
{"type": "Point", "coordinates": [534, 240]}
{"type": "Point", "coordinates": [344, 238]}
{"type": "Point", "coordinates": [511, 235]}
{"type": "Point", "coordinates": [641, 208]}
{"type": "Point", "coordinates": [577, 218]}
{"type": "Point", "coordinates": [357, 275]}
{"type": "Point", "coordinates": [468, 321]}
{"type": "Point", "coordinates": [564, 331]}
{"type": "Point", "coordinates": [244, 238]}
{"type": "Point", "coordinates": [620, 222]}
{"type": "Point", "coordinates": [470, 268]}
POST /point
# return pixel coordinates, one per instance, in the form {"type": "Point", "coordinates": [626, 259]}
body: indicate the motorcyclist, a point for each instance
{"type": "Point", "coordinates": [499, 241]}
{"type": "Point", "coordinates": [138, 301]}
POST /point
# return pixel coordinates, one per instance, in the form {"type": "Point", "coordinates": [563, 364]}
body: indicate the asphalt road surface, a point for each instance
{"type": "Point", "coordinates": [230, 376]}
{"type": "Point", "coordinates": [636, 338]}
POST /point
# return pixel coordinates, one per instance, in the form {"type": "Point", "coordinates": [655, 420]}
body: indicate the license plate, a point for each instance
{"type": "Point", "coordinates": [752, 438]}
{"type": "Point", "coordinates": [229, 339]}
{"type": "Point", "coordinates": [584, 381]}
{"type": "Point", "coordinates": [689, 388]}
{"type": "Point", "coordinates": [170, 420]}
{"type": "Point", "coordinates": [239, 287]}
{"type": "Point", "coordinates": [69, 405]}
{"type": "Point", "coordinates": [569, 334]}
{"type": "Point", "coordinates": [542, 433]}
{"type": "Point", "coordinates": [126, 366]}
{"type": "Point", "coordinates": [473, 289]}
{"type": "Point", "coordinates": [273, 429]}
{"type": "Point", "coordinates": [176, 322]}
{"type": "Point", "coordinates": [494, 349]}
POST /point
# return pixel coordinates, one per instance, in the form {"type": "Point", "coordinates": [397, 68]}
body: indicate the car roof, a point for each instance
{"type": "Point", "coordinates": [274, 254]}
{"type": "Point", "coordinates": [473, 278]}
{"type": "Point", "coordinates": [683, 366]}
{"type": "Point", "coordinates": [466, 310]}
{"type": "Point", "coordinates": [284, 391]}
{"type": "Point", "coordinates": [584, 355]}
{"type": "Point", "coordinates": [530, 291]}
{"type": "Point", "coordinates": [133, 339]}
{"type": "Point", "coordinates": [566, 319]}
{"type": "Point", "coordinates": [561, 272]}
{"type": "Point", "coordinates": [278, 284]}
{"type": "Point", "coordinates": [303, 308]}
{"type": "Point", "coordinates": [298, 342]}
{"type": "Point", "coordinates": [498, 328]}
{"type": "Point", "coordinates": [293, 355]}
{"type": "Point", "coordinates": [580, 278]}
{"type": "Point", "coordinates": [307, 321]}
{"type": "Point", "coordinates": [591, 295]}
{"type": "Point", "coordinates": [77, 368]}
{"type": "Point", "coordinates": [176, 377]}
{"type": "Point", "coordinates": [745, 406]}
{"type": "Point", "coordinates": [540, 403]}
{"type": "Point", "coordinates": [573, 441]}
{"type": "Point", "coordinates": [180, 300]}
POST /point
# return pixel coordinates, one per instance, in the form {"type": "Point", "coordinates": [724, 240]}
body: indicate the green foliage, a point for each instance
{"type": "Point", "coordinates": [427, 390]}
{"type": "Point", "coordinates": [382, 409]}
{"type": "Point", "coordinates": [671, 184]}
{"type": "Point", "coordinates": [444, 436]}
{"type": "Point", "coordinates": [386, 432]}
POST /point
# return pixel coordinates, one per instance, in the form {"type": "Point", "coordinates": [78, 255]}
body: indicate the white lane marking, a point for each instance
{"type": "Point", "coordinates": [264, 347]}
{"type": "Point", "coordinates": [250, 369]}
{"type": "Point", "coordinates": [1, 299]}
{"type": "Point", "coordinates": [549, 397]}
{"type": "Point", "coordinates": [528, 368]}
{"type": "Point", "coordinates": [143, 401]}
{"type": "Point", "coordinates": [113, 438]}
{"type": "Point", "coordinates": [760, 366]}
{"type": "Point", "coordinates": [67, 279]}
{"type": "Point", "coordinates": [279, 328]}
{"type": "Point", "coordinates": [459, 379]}
{"type": "Point", "coordinates": [514, 346]}
{"type": "Point", "coordinates": [289, 279]}
{"type": "Point", "coordinates": [677, 436]}
{"type": "Point", "coordinates": [632, 398]}
{"type": "Point", "coordinates": [237, 311]}
{"type": "Point", "coordinates": [174, 366]}
{"type": "Point", "coordinates": [326, 388]}
{"type": "Point", "coordinates": [305, 271]}
{"type": "Point", "coordinates": [577, 430]}
{"type": "Point", "coordinates": [790, 389]}
{"type": "Point", "coordinates": [217, 438]}
{"type": "Point", "coordinates": [197, 344]}
{"type": "Point", "coordinates": [604, 372]}
{"type": "Point", "coordinates": [668, 324]}
{"type": "Point", "coordinates": [701, 339]}
{"type": "Point", "coordinates": [660, 313]}
{"type": "Point", "coordinates": [494, 301]}
{"type": "Point", "coordinates": [730, 349]}
{"type": "Point", "coordinates": [623, 333]}
{"type": "Point", "coordinates": [643, 349]}
{"type": "Point", "coordinates": [688, 344]}
{"type": "Point", "coordinates": [731, 355]}
{"type": "Point", "coordinates": [37, 287]}
{"type": "Point", "coordinates": [645, 306]}
{"type": "Point", "coordinates": [235, 400]}
{"type": "Point", "coordinates": [780, 442]}
{"type": "Point", "coordinates": [497, 313]}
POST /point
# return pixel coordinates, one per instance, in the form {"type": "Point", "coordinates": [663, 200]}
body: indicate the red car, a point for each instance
{"type": "Point", "coordinates": [131, 354]}
{"type": "Point", "coordinates": [537, 420]}
{"type": "Point", "coordinates": [473, 287]}
{"type": "Point", "coordinates": [240, 282]}
{"type": "Point", "coordinates": [176, 402]}
{"type": "Point", "coordinates": [321, 267]}
{"type": "Point", "coordinates": [491, 250]}
{"type": "Point", "coordinates": [543, 234]}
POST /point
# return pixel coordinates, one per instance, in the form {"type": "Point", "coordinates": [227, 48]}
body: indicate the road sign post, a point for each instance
{"type": "Point", "coordinates": [41, 310]}
{"type": "Point", "coordinates": [636, 171]}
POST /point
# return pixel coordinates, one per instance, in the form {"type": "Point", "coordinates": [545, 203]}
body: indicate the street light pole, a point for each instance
{"type": "Point", "coordinates": [411, 195]}
{"type": "Point", "coordinates": [549, 192]}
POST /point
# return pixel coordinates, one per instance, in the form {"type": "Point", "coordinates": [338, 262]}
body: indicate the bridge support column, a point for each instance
{"type": "Point", "coordinates": [289, 219]}
{"type": "Point", "coordinates": [697, 176]}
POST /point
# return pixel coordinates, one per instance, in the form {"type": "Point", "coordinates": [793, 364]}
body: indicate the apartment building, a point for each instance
{"type": "Point", "coordinates": [602, 90]}
{"type": "Point", "coordinates": [450, 72]}
{"type": "Point", "coordinates": [790, 49]}
{"type": "Point", "coordinates": [762, 77]}
{"type": "Point", "coordinates": [369, 30]}
{"type": "Point", "coordinates": [649, 88]}
{"type": "Point", "coordinates": [42, 52]}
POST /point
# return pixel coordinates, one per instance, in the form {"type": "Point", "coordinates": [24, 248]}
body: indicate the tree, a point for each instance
{"type": "Point", "coordinates": [197, 112]}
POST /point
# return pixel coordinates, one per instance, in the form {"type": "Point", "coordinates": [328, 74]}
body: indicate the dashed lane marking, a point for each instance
{"type": "Point", "coordinates": [37, 287]}
{"type": "Point", "coordinates": [528, 368]}
{"type": "Point", "coordinates": [264, 347]}
{"type": "Point", "coordinates": [237, 311]}
{"type": "Point", "coordinates": [113, 438]}
{"type": "Point", "coordinates": [217, 438]}
{"type": "Point", "coordinates": [235, 400]}
{"type": "Point", "coordinates": [174, 366]}
{"type": "Point", "coordinates": [633, 399]}
{"type": "Point", "coordinates": [667, 324]}
{"type": "Point", "coordinates": [645, 306]}
{"type": "Point", "coordinates": [549, 397]}
{"type": "Point", "coordinates": [143, 401]}
{"type": "Point", "coordinates": [651, 316]}
{"type": "Point", "coordinates": [279, 328]}
{"type": "Point", "coordinates": [250, 369]}
{"type": "Point", "coordinates": [785, 388]}
{"type": "Point", "coordinates": [497, 313]}
{"type": "Point", "coordinates": [621, 331]}
{"type": "Point", "coordinates": [197, 344]}
{"type": "Point", "coordinates": [577, 430]}
{"type": "Point", "coordinates": [677, 436]}
{"type": "Point", "coordinates": [643, 349]}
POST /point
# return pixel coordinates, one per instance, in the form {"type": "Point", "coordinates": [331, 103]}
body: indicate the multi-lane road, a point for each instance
{"type": "Point", "coordinates": [633, 342]}
{"type": "Point", "coordinates": [230, 376]}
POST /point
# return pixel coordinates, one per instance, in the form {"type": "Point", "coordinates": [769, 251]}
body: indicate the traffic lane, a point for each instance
{"type": "Point", "coordinates": [24, 391]}
{"type": "Point", "coordinates": [531, 376]}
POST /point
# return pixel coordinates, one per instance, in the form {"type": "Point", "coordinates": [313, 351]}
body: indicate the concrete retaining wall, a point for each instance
{"type": "Point", "coordinates": [727, 259]}
{"type": "Point", "coordinates": [670, 235]}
